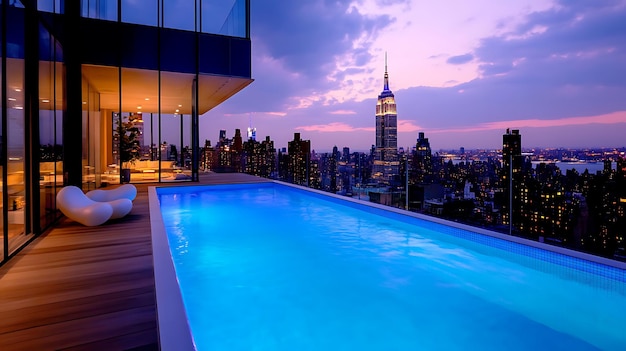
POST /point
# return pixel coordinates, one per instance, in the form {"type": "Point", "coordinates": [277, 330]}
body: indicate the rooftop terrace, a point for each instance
{"type": "Point", "coordinates": [86, 288]}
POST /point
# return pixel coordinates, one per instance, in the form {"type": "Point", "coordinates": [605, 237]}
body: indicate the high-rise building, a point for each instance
{"type": "Point", "coordinates": [299, 152]}
{"type": "Point", "coordinates": [511, 174]}
{"type": "Point", "coordinates": [237, 141]}
{"type": "Point", "coordinates": [386, 164]}
{"type": "Point", "coordinates": [422, 161]}
{"type": "Point", "coordinates": [259, 157]}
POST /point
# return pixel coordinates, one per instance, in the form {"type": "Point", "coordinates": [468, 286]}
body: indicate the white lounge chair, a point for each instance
{"type": "Point", "coordinates": [74, 204]}
{"type": "Point", "coordinates": [124, 191]}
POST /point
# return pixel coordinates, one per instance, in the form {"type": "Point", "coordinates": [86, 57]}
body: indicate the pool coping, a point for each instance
{"type": "Point", "coordinates": [176, 335]}
{"type": "Point", "coordinates": [172, 322]}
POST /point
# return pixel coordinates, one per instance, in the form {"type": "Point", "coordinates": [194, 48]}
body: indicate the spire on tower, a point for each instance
{"type": "Point", "coordinates": [386, 86]}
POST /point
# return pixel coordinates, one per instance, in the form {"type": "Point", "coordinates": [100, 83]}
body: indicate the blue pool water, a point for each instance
{"type": "Point", "coordinates": [269, 267]}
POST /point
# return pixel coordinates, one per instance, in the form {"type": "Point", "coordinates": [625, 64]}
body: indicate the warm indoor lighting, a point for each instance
{"type": "Point", "coordinates": [177, 110]}
{"type": "Point", "coordinates": [139, 107]}
{"type": "Point", "coordinates": [84, 102]}
{"type": "Point", "coordinates": [180, 105]}
{"type": "Point", "coordinates": [11, 99]}
{"type": "Point", "coordinates": [45, 100]}
{"type": "Point", "coordinates": [18, 89]}
{"type": "Point", "coordinates": [147, 99]}
{"type": "Point", "coordinates": [18, 107]}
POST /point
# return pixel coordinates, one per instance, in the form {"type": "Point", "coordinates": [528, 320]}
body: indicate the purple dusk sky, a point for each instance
{"type": "Point", "coordinates": [462, 72]}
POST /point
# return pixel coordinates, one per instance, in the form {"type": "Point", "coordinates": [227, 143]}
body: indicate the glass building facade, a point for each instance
{"type": "Point", "coordinates": [74, 72]}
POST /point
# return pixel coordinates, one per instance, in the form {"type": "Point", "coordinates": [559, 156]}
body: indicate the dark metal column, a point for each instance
{"type": "Point", "coordinates": [31, 119]}
{"type": "Point", "coordinates": [72, 119]}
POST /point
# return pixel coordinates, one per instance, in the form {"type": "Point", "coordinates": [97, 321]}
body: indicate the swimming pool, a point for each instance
{"type": "Point", "coordinates": [272, 267]}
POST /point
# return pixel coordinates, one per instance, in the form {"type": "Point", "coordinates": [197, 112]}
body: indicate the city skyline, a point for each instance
{"type": "Point", "coordinates": [550, 68]}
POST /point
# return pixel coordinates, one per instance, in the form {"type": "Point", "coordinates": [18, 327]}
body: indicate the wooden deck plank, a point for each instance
{"type": "Point", "coordinates": [86, 288]}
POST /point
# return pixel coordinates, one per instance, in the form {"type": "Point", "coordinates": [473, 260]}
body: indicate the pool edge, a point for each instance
{"type": "Point", "coordinates": [173, 334]}
{"type": "Point", "coordinates": [527, 242]}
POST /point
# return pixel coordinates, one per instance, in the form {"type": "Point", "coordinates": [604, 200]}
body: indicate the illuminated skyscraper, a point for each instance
{"type": "Point", "coordinates": [299, 155]}
{"type": "Point", "coordinates": [386, 164]}
{"type": "Point", "coordinates": [422, 161]}
{"type": "Point", "coordinates": [511, 175]}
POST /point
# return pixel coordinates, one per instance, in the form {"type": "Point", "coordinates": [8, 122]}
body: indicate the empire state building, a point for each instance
{"type": "Point", "coordinates": [386, 164]}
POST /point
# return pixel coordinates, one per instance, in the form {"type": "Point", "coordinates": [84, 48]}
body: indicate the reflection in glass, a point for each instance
{"type": "Point", "coordinates": [100, 100]}
{"type": "Point", "coordinates": [15, 151]}
{"type": "Point", "coordinates": [226, 17]}
{"type": "Point", "coordinates": [98, 9]}
{"type": "Point", "coordinates": [140, 99]}
{"type": "Point", "coordinates": [175, 122]}
{"type": "Point", "coordinates": [179, 14]}
{"type": "Point", "coordinates": [2, 159]}
{"type": "Point", "coordinates": [141, 11]}
{"type": "Point", "coordinates": [50, 119]}
{"type": "Point", "coordinates": [49, 5]}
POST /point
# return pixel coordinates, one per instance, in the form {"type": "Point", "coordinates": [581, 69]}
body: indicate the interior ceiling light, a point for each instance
{"type": "Point", "coordinates": [147, 99]}
{"type": "Point", "coordinates": [11, 99]}
{"type": "Point", "coordinates": [18, 89]}
{"type": "Point", "coordinates": [84, 102]}
{"type": "Point", "coordinates": [139, 107]}
{"type": "Point", "coordinates": [45, 100]}
{"type": "Point", "coordinates": [177, 110]}
{"type": "Point", "coordinates": [180, 105]}
{"type": "Point", "coordinates": [18, 107]}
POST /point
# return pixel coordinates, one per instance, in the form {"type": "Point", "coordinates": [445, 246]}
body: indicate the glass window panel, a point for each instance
{"type": "Point", "coordinates": [224, 17]}
{"type": "Point", "coordinates": [100, 102]}
{"type": "Point", "coordinates": [176, 96]}
{"type": "Point", "coordinates": [99, 9]}
{"type": "Point", "coordinates": [49, 5]}
{"type": "Point", "coordinates": [14, 182]}
{"type": "Point", "coordinates": [179, 14]}
{"type": "Point", "coordinates": [2, 159]}
{"type": "Point", "coordinates": [214, 14]}
{"type": "Point", "coordinates": [15, 151]}
{"type": "Point", "coordinates": [140, 100]}
{"type": "Point", "coordinates": [140, 12]}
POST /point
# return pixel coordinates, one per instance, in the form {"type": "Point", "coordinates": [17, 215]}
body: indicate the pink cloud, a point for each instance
{"type": "Point", "coordinates": [270, 113]}
{"type": "Point", "coordinates": [408, 126]}
{"type": "Point", "coordinates": [334, 127]}
{"type": "Point", "coordinates": [279, 114]}
{"type": "Point", "coordinates": [343, 112]}
{"type": "Point", "coordinates": [610, 118]}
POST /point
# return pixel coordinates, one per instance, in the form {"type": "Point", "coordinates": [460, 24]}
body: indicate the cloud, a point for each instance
{"type": "Point", "coordinates": [334, 127]}
{"type": "Point", "coordinates": [460, 59]}
{"type": "Point", "coordinates": [307, 35]}
{"type": "Point", "coordinates": [343, 112]}
{"type": "Point", "coordinates": [408, 126]}
{"type": "Point", "coordinates": [611, 118]}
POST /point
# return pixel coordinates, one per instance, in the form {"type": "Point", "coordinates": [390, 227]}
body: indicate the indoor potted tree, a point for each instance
{"type": "Point", "coordinates": [128, 136]}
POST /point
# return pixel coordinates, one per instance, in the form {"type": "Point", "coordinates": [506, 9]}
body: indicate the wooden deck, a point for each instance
{"type": "Point", "coordinates": [87, 288]}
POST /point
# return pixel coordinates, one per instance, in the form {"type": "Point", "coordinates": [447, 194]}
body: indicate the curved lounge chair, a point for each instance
{"type": "Point", "coordinates": [77, 206]}
{"type": "Point", "coordinates": [125, 191]}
